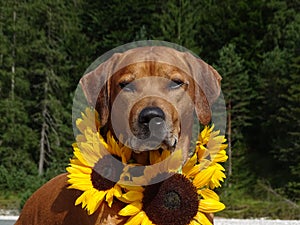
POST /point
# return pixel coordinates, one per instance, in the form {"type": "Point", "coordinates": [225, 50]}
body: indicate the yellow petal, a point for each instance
{"type": "Point", "coordinates": [113, 145]}
{"type": "Point", "coordinates": [165, 154]}
{"type": "Point", "coordinates": [146, 220]}
{"type": "Point", "coordinates": [126, 154]}
{"type": "Point", "coordinates": [95, 199]}
{"type": "Point", "coordinates": [81, 199]}
{"type": "Point", "coordinates": [193, 171]}
{"type": "Point", "coordinates": [80, 138]}
{"type": "Point", "coordinates": [202, 178]}
{"type": "Point", "coordinates": [79, 176]}
{"type": "Point", "coordinates": [86, 154]}
{"type": "Point", "coordinates": [220, 157]}
{"type": "Point", "coordinates": [76, 180]}
{"type": "Point", "coordinates": [207, 193]}
{"type": "Point", "coordinates": [132, 188]}
{"type": "Point", "coordinates": [109, 197]}
{"type": "Point", "coordinates": [174, 161]}
{"type": "Point", "coordinates": [133, 196]}
{"type": "Point", "coordinates": [76, 161]}
{"type": "Point", "coordinates": [217, 177]}
{"type": "Point", "coordinates": [89, 119]}
{"type": "Point", "coordinates": [202, 219]}
{"type": "Point", "coordinates": [131, 209]}
{"type": "Point", "coordinates": [210, 206]}
{"type": "Point", "coordinates": [79, 125]}
{"type": "Point", "coordinates": [117, 190]}
{"type": "Point", "coordinates": [79, 169]}
{"type": "Point", "coordinates": [194, 222]}
{"type": "Point", "coordinates": [80, 157]}
{"type": "Point", "coordinates": [189, 164]}
{"type": "Point", "coordinates": [80, 186]}
{"type": "Point", "coordinates": [154, 157]}
{"type": "Point", "coordinates": [136, 220]}
{"type": "Point", "coordinates": [201, 151]}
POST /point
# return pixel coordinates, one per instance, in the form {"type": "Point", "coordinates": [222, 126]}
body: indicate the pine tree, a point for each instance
{"type": "Point", "coordinates": [51, 79]}
{"type": "Point", "coordinates": [113, 23]}
{"type": "Point", "coordinates": [277, 127]}
{"type": "Point", "coordinates": [291, 146]}
{"type": "Point", "coordinates": [177, 22]}
{"type": "Point", "coordinates": [16, 135]}
{"type": "Point", "coordinates": [237, 93]}
{"type": "Point", "coordinates": [42, 62]}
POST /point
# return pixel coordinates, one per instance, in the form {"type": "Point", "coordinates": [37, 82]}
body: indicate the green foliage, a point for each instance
{"type": "Point", "coordinates": [177, 22]}
{"type": "Point", "coordinates": [46, 46]}
{"type": "Point", "coordinates": [237, 97]}
{"type": "Point", "coordinates": [262, 201]}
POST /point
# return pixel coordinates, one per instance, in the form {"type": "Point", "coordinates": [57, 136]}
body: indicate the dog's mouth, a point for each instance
{"type": "Point", "coordinates": [153, 143]}
{"type": "Point", "coordinates": [153, 135]}
{"type": "Point", "coordinates": [142, 148]}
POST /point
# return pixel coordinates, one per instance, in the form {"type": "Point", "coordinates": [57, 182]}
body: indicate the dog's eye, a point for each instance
{"type": "Point", "coordinates": [127, 86]}
{"type": "Point", "coordinates": [174, 84]}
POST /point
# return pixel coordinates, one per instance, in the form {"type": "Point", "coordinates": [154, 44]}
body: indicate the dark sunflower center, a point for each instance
{"type": "Point", "coordinates": [174, 201]}
{"type": "Point", "coordinates": [105, 173]}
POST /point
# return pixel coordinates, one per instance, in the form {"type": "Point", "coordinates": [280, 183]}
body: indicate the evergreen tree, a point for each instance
{"type": "Point", "coordinates": [113, 23]}
{"type": "Point", "coordinates": [178, 21]}
{"type": "Point", "coordinates": [41, 64]}
{"type": "Point", "coordinates": [288, 152]}
{"type": "Point", "coordinates": [16, 135]}
{"type": "Point", "coordinates": [274, 106]}
{"type": "Point", "coordinates": [51, 80]}
{"type": "Point", "coordinates": [237, 93]}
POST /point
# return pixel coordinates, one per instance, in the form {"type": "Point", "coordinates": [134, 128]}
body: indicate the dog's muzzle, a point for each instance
{"type": "Point", "coordinates": [151, 122]}
{"type": "Point", "coordinates": [151, 131]}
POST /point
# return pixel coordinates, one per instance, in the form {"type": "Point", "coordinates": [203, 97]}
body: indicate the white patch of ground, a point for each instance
{"type": "Point", "coordinates": [220, 221]}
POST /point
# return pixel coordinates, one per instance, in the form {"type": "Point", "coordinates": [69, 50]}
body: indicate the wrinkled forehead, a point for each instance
{"type": "Point", "coordinates": [154, 56]}
{"type": "Point", "coordinates": [148, 69]}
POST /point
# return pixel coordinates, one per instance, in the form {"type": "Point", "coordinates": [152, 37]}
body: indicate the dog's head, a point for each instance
{"type": "Point", "coordinates": [148, 95]}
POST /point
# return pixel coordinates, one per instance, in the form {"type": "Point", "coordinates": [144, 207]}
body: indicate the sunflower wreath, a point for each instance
{"type": "Point", "coordinates": [182, 198]}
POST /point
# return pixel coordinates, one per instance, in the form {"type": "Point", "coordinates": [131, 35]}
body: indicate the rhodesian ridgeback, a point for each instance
{"type": "Point", "coordinates": [149, 95]}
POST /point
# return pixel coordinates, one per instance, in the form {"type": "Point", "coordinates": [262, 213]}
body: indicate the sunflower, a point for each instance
{"type": "Point", "coordinates": [89, 119]}
{"type": "Point", "coordinates": [211, 145]}
{"type": "Point", "coordinates": [174, 201]}
{"type": "Point", "coordinates": [185, 196]}
{"type": "Point", "coordinates": [210, 149]}
{"type": "Point", "coordinates": [96, 166]}
{"type": "Point", "coordinates": [163, 193]}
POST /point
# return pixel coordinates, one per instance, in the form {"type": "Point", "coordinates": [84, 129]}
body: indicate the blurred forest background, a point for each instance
{"type": "Point", "coordinates": [46, 45]}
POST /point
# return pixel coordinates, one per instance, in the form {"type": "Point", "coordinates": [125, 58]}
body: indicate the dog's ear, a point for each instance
{"type": "Point", "coordinates": [96, 87]}
{"type": "Point", "coordinates": [207, 88]}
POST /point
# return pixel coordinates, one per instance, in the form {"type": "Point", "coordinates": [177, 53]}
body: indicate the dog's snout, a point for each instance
{"type": "Point", "coordinates": [152, 124]}
{"type": "Point", "coordinates": [153, 115]}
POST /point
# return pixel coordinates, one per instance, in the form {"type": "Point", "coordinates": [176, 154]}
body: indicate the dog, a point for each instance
{"type": "Point", "coordinates": [149, 96]}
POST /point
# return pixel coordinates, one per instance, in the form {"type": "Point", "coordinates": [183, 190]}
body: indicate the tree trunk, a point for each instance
{"type": "Point", "coordinates": [43, 140]}
{"type": "Point", "coordinates": [42, 148]}
{"type": "Point", "coordinates": [13, 66]}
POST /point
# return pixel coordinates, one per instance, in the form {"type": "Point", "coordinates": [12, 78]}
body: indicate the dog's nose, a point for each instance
{"type": "Point", "coordinates": [153, 116]}
{"type": "Point", "coordinates": [152, 124]}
